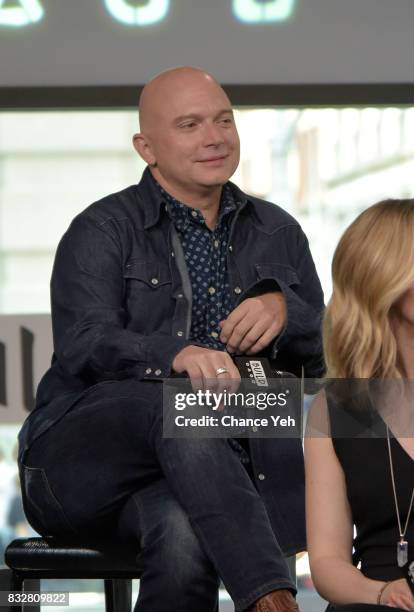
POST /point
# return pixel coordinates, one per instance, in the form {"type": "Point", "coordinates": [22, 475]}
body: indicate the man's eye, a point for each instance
{"type": "Point", "coordinates": [227, 120]}
{"type": "Point", "coordinates": [190, 124]}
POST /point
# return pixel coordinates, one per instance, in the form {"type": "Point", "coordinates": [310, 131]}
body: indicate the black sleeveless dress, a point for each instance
{"type": "Point", "coordinates": [359, 440]}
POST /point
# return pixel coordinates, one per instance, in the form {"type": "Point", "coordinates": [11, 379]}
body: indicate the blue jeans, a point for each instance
{"type": "Point", "coordinates": [188, 504]}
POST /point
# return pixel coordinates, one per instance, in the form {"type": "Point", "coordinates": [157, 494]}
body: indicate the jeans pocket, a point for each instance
{"type": "Point", "coordinates": [43, 510]}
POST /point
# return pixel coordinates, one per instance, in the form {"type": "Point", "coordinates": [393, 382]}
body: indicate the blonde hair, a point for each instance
{"type": "Point", "coordinates": [373, 266]}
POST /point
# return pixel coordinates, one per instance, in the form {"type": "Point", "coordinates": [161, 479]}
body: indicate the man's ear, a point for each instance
{"type": "Point", "coordinates": [143, 147]}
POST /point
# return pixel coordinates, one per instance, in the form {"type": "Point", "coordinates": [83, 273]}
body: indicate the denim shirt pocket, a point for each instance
{"type": "Point", "coordinates": [148, 293]}
{"type": "Point", "coordinates": [43, 511]}
{"type": "Point", "coordinates": [273, 277]}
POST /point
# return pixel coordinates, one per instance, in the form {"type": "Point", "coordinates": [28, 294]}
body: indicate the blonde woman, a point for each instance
{"type": "Point", "coordinates": [360, 468]}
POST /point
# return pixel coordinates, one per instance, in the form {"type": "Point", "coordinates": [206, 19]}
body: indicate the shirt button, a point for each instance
{"type": "Point", "coordinates": [230, 248]}
{"type": "Point", "coordinates": [211, 290]}
{"type": "Point", "coordinates": [179, 333]}
{"type": "Point", "coordinates": [255, 428]}
{"type": "Point", "coordinates": [148, 371]}
{"type": "Point", "coordinates": [157, 372]}
{"type": "Point", "coordinates": [216, 243]}
{"type": "Point", "coordinates": [237, 290]}
{"type": "Point", "coordinates": [180, 295]}
{"type": "Point", "coordinates": [154, 281]}
{"type": "Point", "coordinates": [261, 476]}
{"type": "Point", "coordinates": [214, 334]}
{"type": "Point", "coordinates": [172, 254]}
{"type": "Point", "coordinates": [194, 213]}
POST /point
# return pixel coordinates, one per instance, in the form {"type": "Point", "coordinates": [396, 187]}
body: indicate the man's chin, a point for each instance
{"type": "Point", "coordinates": [214, 178]}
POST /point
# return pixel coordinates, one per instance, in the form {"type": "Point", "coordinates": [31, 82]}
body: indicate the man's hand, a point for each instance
{"type": "Point", "coordinates": [254, 323]}
{"type": "Point", "coordinates": [201, 365]}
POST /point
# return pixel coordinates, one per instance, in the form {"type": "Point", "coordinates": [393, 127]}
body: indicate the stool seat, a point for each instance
{"type": "Point", "coordinates": [49, 557]}
{"type": "Point", "coordinates": [32, 559]}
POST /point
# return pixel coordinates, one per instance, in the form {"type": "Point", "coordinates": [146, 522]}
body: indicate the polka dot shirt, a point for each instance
{"type": "Point", "coordinates": [205, 255]}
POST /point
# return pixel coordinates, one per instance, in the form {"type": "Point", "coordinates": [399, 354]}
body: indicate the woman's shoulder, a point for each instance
{"type": "Point", "coordinates": [343, 409]}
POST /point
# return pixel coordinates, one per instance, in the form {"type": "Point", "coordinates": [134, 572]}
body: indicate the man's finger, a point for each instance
{"type": "Point", "coordinates": [262, 341]}
{"type": "Point", "coordinates": [254, 335]}
{"type": "Point", "coordinates": [227, 380]}
{"type": "Point", "coordinates": [209, 372]}
{"type": "Point", "coordinates": [196, 377]}
{"type": "Point", "coordinates": [239, 332]}
{"type": "Point", "coordinates": [228, 325]}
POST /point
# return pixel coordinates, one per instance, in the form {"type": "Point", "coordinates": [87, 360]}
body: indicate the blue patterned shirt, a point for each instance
{"type": "Point", "coordinates": [205, 253]}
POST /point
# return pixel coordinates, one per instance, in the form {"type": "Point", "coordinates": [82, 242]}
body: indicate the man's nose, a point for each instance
{"type": "Point", "coordinates": [213, 135]}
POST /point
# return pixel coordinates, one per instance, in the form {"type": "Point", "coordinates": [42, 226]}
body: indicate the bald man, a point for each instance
{"type": "Point", "coordinates": [175, 275]}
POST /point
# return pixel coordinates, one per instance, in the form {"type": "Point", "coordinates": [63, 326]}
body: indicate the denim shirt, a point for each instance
{"type": "Point", "coordinates": [121, 307]}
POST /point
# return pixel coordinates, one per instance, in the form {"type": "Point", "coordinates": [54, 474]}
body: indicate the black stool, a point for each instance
{"type": "Point", "coordinates": [31, 559]}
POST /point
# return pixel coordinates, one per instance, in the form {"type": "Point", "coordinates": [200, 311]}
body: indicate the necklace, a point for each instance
{"type": "Point", "coordinates": [402, 545]}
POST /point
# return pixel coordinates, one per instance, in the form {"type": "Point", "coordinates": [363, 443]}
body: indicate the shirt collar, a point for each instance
{"type": "Point", "coordinates": [153, 200]}
{"type": "Point", "coordinates": [182, 214]}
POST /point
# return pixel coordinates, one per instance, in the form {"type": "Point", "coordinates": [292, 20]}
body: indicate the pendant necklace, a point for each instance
{"type": "Point", "coordinates": [402, 545]}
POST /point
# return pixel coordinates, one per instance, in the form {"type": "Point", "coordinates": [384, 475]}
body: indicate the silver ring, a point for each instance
{"type": "Point", "coordinates": [221, 371]}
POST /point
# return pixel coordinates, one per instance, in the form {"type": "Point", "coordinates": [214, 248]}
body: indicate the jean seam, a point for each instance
{"type": "Point", "coordinates": [57, 502]}
{"type": "Point", "coordinates": [141, 524]}
{"type": "Point", "coordinates": [53, 497]}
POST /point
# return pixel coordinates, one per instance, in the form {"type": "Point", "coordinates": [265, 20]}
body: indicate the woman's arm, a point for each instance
{"type": "Point", "coordinates": [330, 527]}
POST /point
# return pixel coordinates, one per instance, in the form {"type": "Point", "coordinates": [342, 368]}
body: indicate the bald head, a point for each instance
{"type": "Point", "coordinates": [165, 87]}
{"type": "Point", "coordinates": [188, 136]}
